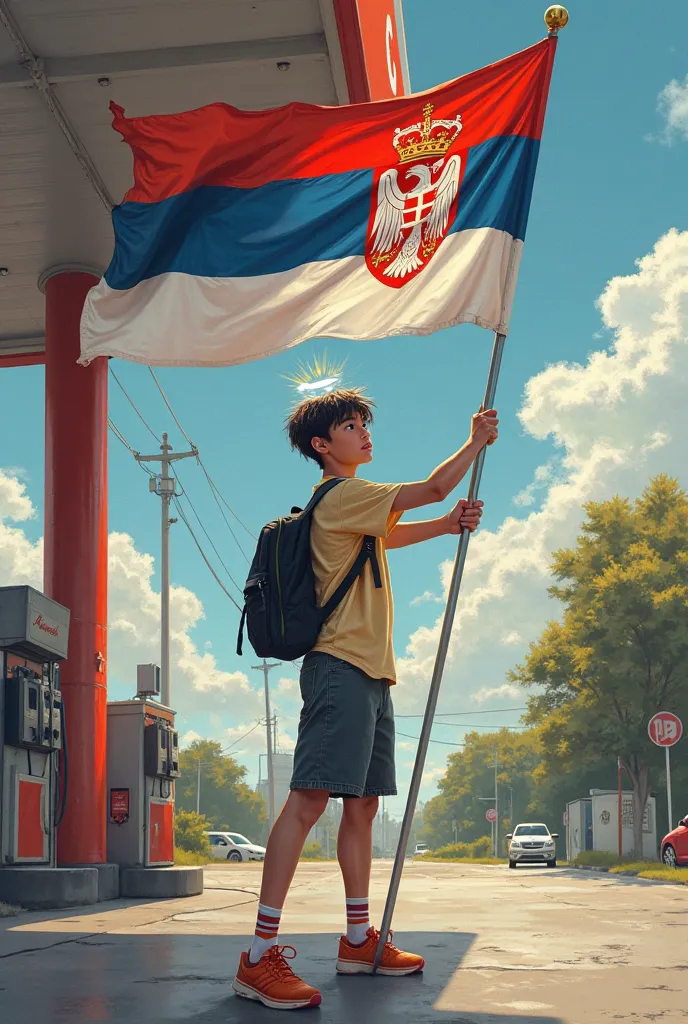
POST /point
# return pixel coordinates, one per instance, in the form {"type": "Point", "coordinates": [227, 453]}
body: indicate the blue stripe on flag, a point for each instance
{"type": "Point", "coordinates": [218, 231]}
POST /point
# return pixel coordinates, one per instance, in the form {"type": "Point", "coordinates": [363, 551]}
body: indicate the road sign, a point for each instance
{"type": "Point", "coordinates": [665, 729]}
{"type": "Point", "coordinates": [491, 814]}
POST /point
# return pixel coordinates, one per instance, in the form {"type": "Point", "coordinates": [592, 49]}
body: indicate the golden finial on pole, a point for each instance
{"type": "Point", "coordinates": [556, 17]}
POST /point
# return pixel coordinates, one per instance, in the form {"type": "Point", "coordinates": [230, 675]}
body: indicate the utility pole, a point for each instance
{"type": "Point", "coordinates": [265, 669]}
{"type": "Point", "coordinates": [198, 788]}
{"type": "Point", "coordinates": [163, 484]}
{"type": "Point", "coordinates": [496, 833]}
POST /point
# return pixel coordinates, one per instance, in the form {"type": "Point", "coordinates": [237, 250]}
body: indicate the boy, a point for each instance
{"type": "Point", "coordinates": [345, 744]}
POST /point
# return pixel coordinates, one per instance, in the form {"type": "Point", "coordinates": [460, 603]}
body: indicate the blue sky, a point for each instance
{"type": "Point", "coordinates": [610, 185]}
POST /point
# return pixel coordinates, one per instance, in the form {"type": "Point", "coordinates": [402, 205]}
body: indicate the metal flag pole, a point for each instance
{"type": "Point", "coordinates": [440, 659]}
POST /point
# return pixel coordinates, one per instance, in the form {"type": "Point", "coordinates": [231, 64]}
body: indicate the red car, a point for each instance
{"type": "Point", "coordinates": [675, 846]}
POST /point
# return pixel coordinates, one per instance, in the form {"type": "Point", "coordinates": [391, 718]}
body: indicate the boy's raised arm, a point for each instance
{"type": "Point", "coordinates": [449, 474]}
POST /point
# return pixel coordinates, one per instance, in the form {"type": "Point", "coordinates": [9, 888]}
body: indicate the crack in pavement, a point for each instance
{"type": "Point", "coordinates": [52, 945]}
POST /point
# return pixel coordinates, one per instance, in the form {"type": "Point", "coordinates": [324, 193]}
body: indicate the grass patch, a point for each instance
{"type": "Point", "coordinates": [651, 869]}
{"type": "Point", "coordinates": [8, 910]}
{"type": "Point", "coordinates": [456, 860]}
{"type": "Point", "coordinates": [186, 859]}
{"type": "Point", "coordinates": [659, 873]}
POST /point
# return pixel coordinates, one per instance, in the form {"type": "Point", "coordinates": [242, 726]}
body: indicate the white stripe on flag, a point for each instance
{"type": "Point", "coordinates": [180, 320]}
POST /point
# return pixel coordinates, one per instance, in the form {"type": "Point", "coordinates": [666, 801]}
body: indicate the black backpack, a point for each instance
{"type": "Point", "coordinates": [280, 607]}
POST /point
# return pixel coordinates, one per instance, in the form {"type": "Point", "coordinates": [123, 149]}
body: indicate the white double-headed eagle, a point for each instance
{"type": "Point", "coordinates": [430, 220]}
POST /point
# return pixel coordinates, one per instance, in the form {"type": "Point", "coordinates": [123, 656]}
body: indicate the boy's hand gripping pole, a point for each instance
{"type": "Point", "coordinates": [440, 659]}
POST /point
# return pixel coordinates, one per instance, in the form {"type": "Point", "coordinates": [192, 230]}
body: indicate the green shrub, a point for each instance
{"type": "Point", "coordinates": [479, 848]}
{"type": "Point", "coordinates": [599, 859]}
{"type": "Point", "coordinates": [312, 851]}
{"type": "Point", "coordinates": [189, 832]}
{"type": "Point", "coordinates": [186, 859]}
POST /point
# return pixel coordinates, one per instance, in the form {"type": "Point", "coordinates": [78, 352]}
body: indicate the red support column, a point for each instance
{"type": "Point", "coordinates": [75, 561]}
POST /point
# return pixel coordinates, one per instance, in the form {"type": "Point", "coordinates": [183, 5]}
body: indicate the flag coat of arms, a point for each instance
{"type": "Point", "coordinates": [248, 232]}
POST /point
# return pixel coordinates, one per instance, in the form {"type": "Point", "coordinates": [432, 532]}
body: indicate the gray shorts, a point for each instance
{"type": "Point", "coordinates": [346, 730]}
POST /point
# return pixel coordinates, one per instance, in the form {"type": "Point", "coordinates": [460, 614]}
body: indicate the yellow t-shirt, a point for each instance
{"type": "Point", "coordinates": [360, 629]}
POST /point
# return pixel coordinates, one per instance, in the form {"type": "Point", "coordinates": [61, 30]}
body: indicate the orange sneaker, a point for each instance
{"type": "Point", "coordinates": [273, 983]}
{"type": "Point", "coordinates": [360, 959]}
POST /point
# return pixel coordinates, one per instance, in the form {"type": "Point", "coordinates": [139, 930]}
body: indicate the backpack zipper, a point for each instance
{"type": "Point", "coordinates": [277, 576]}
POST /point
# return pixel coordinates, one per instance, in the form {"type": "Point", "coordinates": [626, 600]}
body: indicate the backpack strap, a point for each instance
{"type": "Point", "coordinates": [240, 637]}
{"type": "Point", "coordinates": [365, 555]}
{"type": "Point", "coordinates": [320, 493]}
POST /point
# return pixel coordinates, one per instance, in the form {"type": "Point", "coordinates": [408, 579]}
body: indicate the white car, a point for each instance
{"type": "Point", "coordinates": [532, 843]}
{"type": "Point", "coordinates": [233, 846]}
{"type": "Point", "coordinates": [420, 849]}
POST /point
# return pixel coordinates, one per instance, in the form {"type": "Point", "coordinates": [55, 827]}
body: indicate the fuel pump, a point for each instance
{"type": "Point", "coordinates": [142, 764]}
{"type": "Point", "coordinates": [34, 633]}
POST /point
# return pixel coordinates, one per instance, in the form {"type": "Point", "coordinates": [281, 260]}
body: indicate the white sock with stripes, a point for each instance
{"type": "Point", "coordinates": [357, 920]}
{"type": "Point", "coordinates": [267, 927]}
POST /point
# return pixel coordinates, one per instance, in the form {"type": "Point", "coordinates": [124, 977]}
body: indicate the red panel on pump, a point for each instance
{"type": "Point", "coordinates": [161, 832]}
{"type": "Point", "coordinates": [30, 832]}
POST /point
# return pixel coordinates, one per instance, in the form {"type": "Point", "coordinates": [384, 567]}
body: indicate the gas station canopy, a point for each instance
{"type": "Point", "coordinates": [62, 61]}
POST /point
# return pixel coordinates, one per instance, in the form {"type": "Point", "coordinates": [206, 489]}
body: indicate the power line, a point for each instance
{"type": "Point", "coordinates": [465, 714]}
{"type": "Point", "coordinates": [193, 509]}
{"type": "Point", "coordinates": [462, 725]}
{"type": "Point", "coordinates": [215, 489]}
{"type": "Point", "coordinates": [131, 402]}
{"type": "Point", "coordinates": [232, 745]}
{"type": "Point", "coordinates": [171, 410]}
{"type": "Point", "coordinates": [186, 522]}
{"type": "Point", "coordinates": [121, 437]}
{"type": "Point", "coordinates": [442, 742]}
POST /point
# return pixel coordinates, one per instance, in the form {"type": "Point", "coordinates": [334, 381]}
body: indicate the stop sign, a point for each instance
{"type": "Point", "coordinates": [665, 729]}
{"type": "Point", "coordinates": [491, 814]}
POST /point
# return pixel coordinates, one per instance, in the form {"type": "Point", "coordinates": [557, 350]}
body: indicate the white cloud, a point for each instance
{"type": "Point", "coordinates": [288, 689]}
{"type": "Point", "coordinates": [423, 598]}
{"type": "Point", "coordinates": [188, 738]}
{"type": "Point", "coordinates": [615, 421]}
{"type": "Point", "coordinates": [541, 478]}
{"type": "Point", "coordinates": [672, 103]}
{"type": "Point", "coordinates": [507, 690]}
{"type": "Point", "coordinates": [511, 638]}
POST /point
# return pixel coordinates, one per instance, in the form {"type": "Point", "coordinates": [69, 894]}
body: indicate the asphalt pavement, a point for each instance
{"type": "Point", "coordinates": [532, 946]}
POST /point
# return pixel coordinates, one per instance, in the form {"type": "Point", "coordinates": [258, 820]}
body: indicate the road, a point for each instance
{"type": "Point", "coordinates": [532, 946]}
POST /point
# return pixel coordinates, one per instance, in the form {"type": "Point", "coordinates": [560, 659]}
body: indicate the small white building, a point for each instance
{"type": "Point", "coordinates": [592, 824]}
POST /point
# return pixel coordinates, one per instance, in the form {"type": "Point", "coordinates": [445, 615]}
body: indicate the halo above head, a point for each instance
{"type": "Point", "coordinates": [320, 376]}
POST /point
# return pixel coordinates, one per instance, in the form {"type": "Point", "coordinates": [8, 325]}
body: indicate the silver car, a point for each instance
{"type": "Point", "coordinates": [532, 843]}
{"type": "Point", "coordinates": [233, 846]}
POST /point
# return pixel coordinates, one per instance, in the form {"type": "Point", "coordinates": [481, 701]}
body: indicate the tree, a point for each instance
{"type": "Point", "coordinates": [620, 652]}
{"type": "Point", "coordinates": [190, 832]}
{"type": "Point", "coordinates": [227, 801]}
{"type": "Point", "coordinates": [470, 776]}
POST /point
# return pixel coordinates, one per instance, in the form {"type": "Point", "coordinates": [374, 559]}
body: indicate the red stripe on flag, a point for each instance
{"type": "Point", "coordinates": [220, 145]}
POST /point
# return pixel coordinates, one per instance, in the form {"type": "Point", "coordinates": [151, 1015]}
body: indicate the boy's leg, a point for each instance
{"type": "Point", "coordinates": [264, 974]}
{"type": "Point", "coordinates": [356, 953]}
{"type": "Point", "coordinates": [287, 839]}
{"type": "Point", "coordinates": [355, 856]}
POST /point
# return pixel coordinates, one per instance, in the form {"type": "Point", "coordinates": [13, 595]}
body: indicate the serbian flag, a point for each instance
{"type": "Point", "coordinates": [247, 232]}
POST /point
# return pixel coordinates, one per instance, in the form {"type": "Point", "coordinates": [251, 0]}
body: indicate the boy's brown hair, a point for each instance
{"type": "Point", "coordinates": [315, 417]}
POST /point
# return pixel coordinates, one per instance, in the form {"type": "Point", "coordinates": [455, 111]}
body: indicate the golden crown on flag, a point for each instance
{"type": "Point", "coordinates": [427, 138]}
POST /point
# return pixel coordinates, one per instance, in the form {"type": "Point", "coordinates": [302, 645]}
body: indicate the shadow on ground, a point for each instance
{"type": "Point", "coordinates": [129, 979]}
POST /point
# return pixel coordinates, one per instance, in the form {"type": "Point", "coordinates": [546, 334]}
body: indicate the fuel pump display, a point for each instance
{"type": "Point", "coordinates": [33, 756]}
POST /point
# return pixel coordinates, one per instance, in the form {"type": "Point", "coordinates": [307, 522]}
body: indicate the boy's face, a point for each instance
{"type": "Point", "coordinates": [349, 443]}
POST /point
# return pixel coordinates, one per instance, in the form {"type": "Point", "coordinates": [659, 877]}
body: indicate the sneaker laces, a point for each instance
{"type": "Point", "coordinates": [276, 961]}
{"type": "Point", "coordinates": [375, 934]}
